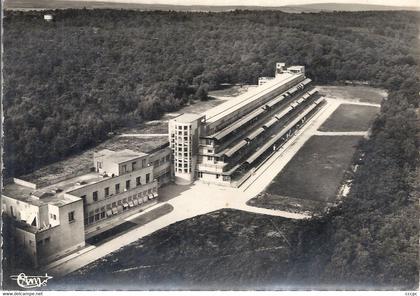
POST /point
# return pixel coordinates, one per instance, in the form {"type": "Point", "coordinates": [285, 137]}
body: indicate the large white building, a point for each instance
{"type": "Point", "coordinates": [227, 142]}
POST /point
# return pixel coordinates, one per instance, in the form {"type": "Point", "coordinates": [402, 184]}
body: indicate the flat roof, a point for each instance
{"type": "Point", "coordinates": [236, 103]}
{"type": "Point", "coordinates": [119, 156]}
{"type": "Point", "coordinates": [81, 164]}
{"type": "Point", "coordinates": [48, 194]}
{"type": "Point", "coordinates": [295, 67]}
{"type": "Point", "coordinates": [187, 117]}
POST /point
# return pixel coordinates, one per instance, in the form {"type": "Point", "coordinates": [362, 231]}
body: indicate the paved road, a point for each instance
{"type": "Point", "coordinates": [200, 198]}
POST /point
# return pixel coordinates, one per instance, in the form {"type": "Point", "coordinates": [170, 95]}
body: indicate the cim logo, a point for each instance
{"type": "Point", "coordinates": [28, 281]}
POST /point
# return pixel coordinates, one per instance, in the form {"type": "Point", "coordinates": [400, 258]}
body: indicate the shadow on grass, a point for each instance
{"type": "Point", "coordinates": [128, 225]}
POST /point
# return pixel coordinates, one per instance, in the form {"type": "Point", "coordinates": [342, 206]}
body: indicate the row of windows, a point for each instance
{"type": "Point", "coordinates": [119, 206]}
{"type": "Point", "coordinates": [70, 216]}
{"type": "Point", "coordinates": [43, 241]}
{"type": "Point", "coordinates": [133, 166]}
{"type": "Point", "coordinates": [182, 127]}
{"type": "Point", "coordinates": [117, 189]}
{"type": "Point", "coordinates": [184, 155]}
{"type": "Point", "coordinates": [185, 133]}
{"type": "Point", "coordinates": [161, 161]}
{"type": "Point", "coordinates": [185, 170]}
{"type": "Point", "coordinates": [225, 178]}
{"type": "Point", "coordinates": [185, 139]}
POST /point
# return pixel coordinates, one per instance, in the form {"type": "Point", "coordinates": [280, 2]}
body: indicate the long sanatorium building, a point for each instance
{"type": "Point", "coordinates": [224, 146]}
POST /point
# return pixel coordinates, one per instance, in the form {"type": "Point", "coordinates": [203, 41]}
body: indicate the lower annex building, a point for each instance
{"type": "Point", "coordinates": [222, 146]}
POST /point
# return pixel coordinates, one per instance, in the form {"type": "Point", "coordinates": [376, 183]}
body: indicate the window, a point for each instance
{"type": "Point", "coordinates": [99, 165]}
{"type": "Point", "coordinates": [127, 184]}
{"type": "Point", "coordinates": [83, 197]}
{"type": "Point", "coordinates": [185, 170]}
{"type": "Point", "coordinates": [71, 216]}
{"type": "Point", "coordinates": [138, 181]}
{"type": "Point", "coordinates": [147, 178]}
{"type": "Point", "coordinates": [95, 195]}
{"type": "Point", "coordinates": [133, 166]}
{"type": "Point", "coordinates": [209, 150]}
{"type": "Point", "coordinates": [53, 216]}
{"type": "Point", "coordinates": [97, 217]}
{"type": "Point", "coordinates": [117, 188]}
{"type": "Point", "coordinates": [209, 157]}
{"type": "Point", "coordinates": [217, 176]}
{"type": "Point", "coordinates": [143, 163]}
{"type": "Point", "coordinates": [106, 191]}
{"type": "Point", "coordinates": [47, 240]}
{"type": "Point", "coordinates": [124, 168]}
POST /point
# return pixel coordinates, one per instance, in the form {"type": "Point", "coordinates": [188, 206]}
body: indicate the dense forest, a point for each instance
{"type": "Point", "coordinates": [70, 82]}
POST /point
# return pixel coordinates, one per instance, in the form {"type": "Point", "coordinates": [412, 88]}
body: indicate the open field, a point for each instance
{"type": "Point", "coordinates": [354, 93]}
{"type": "Point", "coordinates": [204, 252]}
{"type": "Point", "coordinates": [313, 175]}
{"type": "Point", "coordinates": [349, 117]}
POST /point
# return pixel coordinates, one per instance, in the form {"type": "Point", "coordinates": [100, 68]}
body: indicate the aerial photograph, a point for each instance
{"type": "Point", "coordinates": [210, 145]}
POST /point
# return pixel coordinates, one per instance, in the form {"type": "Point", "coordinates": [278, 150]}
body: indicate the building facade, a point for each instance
{"type": "Point", "coordinates": [236, 136]}
{"type": "Point", "coordinates": [55, 220]}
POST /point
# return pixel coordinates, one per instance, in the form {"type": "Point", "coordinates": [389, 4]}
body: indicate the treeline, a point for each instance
{"type": "Point", "coordinates": [371, 240]}
{"type": "Point", "coordinates": [71, 81]}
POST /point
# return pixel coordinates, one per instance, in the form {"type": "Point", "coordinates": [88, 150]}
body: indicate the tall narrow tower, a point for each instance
{"type": "Point", "coordinates": [184, 132]}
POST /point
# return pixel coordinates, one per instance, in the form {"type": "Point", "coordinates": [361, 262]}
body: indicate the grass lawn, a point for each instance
{"type": "Point", "coordinates": [354, 93]}
{"type": "Point", "coordinates": [313, 176]}
{"type": "Point", "coordinates": [127, 225]}
{"type": "Point", "coordinates": [349, 118]}
{"type": "Point", "coordinates": [226, 249]}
